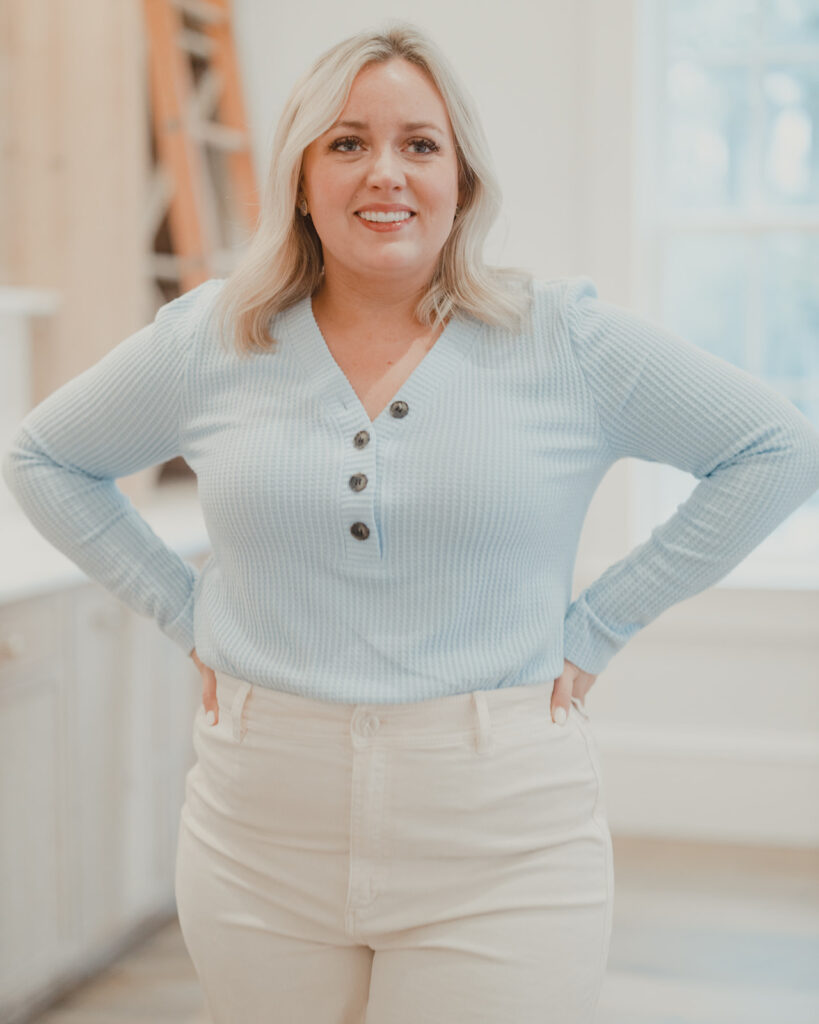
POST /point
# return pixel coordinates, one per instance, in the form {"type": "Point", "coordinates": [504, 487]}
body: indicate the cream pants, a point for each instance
{"type": "Point", "coordinates": [446, 861]}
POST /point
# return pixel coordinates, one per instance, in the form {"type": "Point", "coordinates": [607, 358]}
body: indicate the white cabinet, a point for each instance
{"type": "Point", "coordinates": [36, 906]}
{"type": "Point", "coordinates": [96, 710]}
{"type": "Point", "coordinates": [100, 739]}
{"type": "Point", "coordinates": [162, 693]}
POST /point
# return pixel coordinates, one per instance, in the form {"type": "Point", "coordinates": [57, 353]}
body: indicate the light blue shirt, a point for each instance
{"type": "Point", "coordinates": [430, 552]}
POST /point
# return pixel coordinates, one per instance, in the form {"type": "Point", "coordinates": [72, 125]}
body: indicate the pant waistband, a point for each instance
{"type": "Point", "coordinates": [474, 711]}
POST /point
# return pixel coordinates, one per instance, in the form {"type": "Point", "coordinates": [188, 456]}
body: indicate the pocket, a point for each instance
{"type": "Point", "coordinates": [580, 707]}
{"type": "Point", "coordinates": [586, 729]}
{"type": "Point", "coordinates": [215, 750]}
{"type": "Point", "coordinates": [232, 707]}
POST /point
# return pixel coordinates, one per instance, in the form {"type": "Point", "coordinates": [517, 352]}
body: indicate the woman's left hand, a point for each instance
{"type": "Point", "coordinates": [573, 682]}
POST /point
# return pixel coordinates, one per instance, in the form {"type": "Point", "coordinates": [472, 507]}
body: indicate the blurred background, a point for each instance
{"type": "Point", "coordinates": [668, 149]}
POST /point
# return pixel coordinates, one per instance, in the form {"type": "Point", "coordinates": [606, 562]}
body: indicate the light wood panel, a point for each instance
{"type": "Point", "coordinates": [75, 164]}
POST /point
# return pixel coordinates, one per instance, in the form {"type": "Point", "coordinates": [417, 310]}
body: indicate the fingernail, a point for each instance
{"type": "Point", "coordinates": [560, 715]}
{"type": "Point", "coordinates": [210, 717]}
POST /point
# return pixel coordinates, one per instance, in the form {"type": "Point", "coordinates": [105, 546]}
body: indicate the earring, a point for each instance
{"type": "Point", "coordinates": [457, 210]}
{"type": "Point", "coordinates": [303, 207]}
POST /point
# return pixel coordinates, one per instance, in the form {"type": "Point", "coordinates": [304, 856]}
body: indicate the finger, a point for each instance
{"type": "Point", "coordinates": [561, 698]}
{"type": "Point", "coordinates": [209, 701]}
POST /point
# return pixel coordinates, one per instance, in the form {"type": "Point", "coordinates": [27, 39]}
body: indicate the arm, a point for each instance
{"type": "Point", "coordinates": [663, 399]}
{"type": "Point", "coordinates": [119, 416]}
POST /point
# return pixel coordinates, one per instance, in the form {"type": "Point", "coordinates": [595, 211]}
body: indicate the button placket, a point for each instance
{"type": "Point", "coordinates": [358, 481]}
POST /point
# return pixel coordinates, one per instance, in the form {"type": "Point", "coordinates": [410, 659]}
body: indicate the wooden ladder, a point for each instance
{"type": "Point", "coordinates": [203, 199]}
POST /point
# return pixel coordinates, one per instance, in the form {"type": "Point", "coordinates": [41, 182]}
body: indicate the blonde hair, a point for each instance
{"type": "Point", "coordinates": [283, 262]}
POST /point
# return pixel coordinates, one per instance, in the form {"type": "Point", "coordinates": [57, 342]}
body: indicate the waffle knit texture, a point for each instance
{"type": "Point", "coordinates": [474, 498]}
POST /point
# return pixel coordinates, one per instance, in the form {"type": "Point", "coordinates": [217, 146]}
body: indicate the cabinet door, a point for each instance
{"type": "Point", "coordinates": [177, 691]}
{"type": "Point", "coordinates": [163, 683]}
{"type": "Point", "coordinates": [100, 737]}
{"type": "Point", "coordinates": [37, 902]}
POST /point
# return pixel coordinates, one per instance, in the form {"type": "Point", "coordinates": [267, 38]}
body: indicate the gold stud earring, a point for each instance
{"type": "Point", "coordinates": [303, 207]}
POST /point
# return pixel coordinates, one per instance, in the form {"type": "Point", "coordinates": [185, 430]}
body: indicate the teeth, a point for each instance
{"type": "Point", "coordinates": [373, 215]}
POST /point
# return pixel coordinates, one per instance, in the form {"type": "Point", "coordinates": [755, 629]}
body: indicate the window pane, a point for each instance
{"type": "Point", "coordinates": [740, 132]}
{"type": "Point", "coordinates": [790, 303]}
{"type": "Point", "coordinates": [790, 170]}
{"type": "Point", "coordinates": [693, 24]}
{"type": "Point", "coordinates": [708, 139]}
{"type": "Point", "coordinates": [704, 292]}
{"type": "Point", "coordinates": [790, 21]}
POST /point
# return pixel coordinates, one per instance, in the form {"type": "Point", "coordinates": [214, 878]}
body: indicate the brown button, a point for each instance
{"type": "Point", "coordinates": [358, 481]}
{"type": "Point", "coordinates": [399, 409]}
{"type": "Point", "coordinates": [361, 439]}
{"type": "Point", "coordinates": [360, 531]}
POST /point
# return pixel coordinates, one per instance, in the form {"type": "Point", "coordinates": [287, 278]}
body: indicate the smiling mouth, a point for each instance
{"type": "Point", "coordinates": [386, 227]}
{"type": "Point", "coordinates": [399, 220]}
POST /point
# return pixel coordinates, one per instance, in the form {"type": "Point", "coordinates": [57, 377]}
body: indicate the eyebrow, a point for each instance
{"type": "Point", "coordinates": [408, 126]}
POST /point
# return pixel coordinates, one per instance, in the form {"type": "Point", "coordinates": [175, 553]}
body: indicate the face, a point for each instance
{"type": "Point", "coordinates": [382, 162]}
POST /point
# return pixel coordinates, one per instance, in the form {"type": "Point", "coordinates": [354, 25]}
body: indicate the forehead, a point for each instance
{"type": "Point", "coordinates": [395, 88]}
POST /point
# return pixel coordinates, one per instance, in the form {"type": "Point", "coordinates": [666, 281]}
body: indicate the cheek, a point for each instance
{"type": "Point", "coordinates": [442, 195]}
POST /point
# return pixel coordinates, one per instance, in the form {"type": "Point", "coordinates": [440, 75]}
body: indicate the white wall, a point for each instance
{"type": "Point", "coordinates": [524, 63]}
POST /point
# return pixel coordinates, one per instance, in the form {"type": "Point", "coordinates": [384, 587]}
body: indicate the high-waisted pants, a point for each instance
{"type": "Point", "coordinates": [446, 861]}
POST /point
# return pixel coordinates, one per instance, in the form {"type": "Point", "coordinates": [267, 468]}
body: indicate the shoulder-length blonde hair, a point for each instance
{"type": "Point", "coordinates": [283, 262]}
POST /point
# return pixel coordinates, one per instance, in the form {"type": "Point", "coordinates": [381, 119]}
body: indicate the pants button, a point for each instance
{"type": "Point", "coordinates": [367, 724]}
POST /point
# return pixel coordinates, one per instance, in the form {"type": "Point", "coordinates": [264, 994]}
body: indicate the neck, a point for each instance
{"type": "Point", "coordinates": [384, 314]}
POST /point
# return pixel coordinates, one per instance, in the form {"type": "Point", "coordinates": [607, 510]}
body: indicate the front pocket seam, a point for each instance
{"type": "Point", "coordinates": [239, 727]}
{"type": "Point", "coordinates": [599, 816]}
{"type": "Point", "coordinates": [581, 708]}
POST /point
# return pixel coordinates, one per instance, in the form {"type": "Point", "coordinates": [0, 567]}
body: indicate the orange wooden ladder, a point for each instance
{"type": "Point", "coordinates": [203, 189]}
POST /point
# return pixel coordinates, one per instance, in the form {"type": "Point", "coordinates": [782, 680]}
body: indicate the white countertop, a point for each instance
{"type": "Point", "coordinates": [32, 566]}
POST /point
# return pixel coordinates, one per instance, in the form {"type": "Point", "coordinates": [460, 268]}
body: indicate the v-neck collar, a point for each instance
{"type": "Point", "coordinates": [298, 323]}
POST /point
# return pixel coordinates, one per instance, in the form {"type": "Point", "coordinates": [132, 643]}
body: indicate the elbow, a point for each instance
{"type": "Point", "coordinates": [804, 456]}
{"type": "Point", "coordinates": [22, 453]}
{"type": "Point", "coordinates": [816, 465]}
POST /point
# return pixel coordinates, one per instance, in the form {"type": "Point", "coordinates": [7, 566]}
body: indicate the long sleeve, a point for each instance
{"type": "Point", "coordinates": [663, 399]}
{"type": "Point", "coordinates": [117, 417]}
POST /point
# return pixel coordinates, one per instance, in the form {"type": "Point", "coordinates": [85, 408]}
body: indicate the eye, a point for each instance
{"type": "Point", "coordinates": [341, 142]}
{"type": "Point", "coordinates": [433, 147]}
{"type": "Point", "coordinates": [340, 145]}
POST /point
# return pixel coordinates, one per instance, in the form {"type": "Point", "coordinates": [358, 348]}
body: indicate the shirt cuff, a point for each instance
{"type": "Point", "coordinates": [180, 630]}
{"type": "Point", "coordinates": [587, 641]}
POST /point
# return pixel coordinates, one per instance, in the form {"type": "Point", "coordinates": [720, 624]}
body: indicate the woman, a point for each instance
{"type": "Point", "coordinates": [397, 810]}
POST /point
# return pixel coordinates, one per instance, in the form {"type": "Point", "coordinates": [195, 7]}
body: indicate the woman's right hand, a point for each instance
{"type": "Point", "coordinates": [208, 688]}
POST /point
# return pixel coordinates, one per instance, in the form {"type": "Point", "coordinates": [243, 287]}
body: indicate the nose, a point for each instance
{"type": "Point", "coordinates": [385, 169]}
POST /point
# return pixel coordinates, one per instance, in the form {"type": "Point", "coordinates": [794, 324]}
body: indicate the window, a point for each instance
{"type": "Point", "coordinates": [728, 105]}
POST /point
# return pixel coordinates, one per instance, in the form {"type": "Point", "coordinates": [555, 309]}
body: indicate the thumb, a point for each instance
{"type": "Point", "coordinates": [209, 701]}
{"type": "Point", "coordinates": [562, 695]}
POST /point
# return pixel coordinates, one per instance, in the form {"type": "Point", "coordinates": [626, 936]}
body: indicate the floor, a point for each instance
{"type": "Point", "coordinates": [701, 935]}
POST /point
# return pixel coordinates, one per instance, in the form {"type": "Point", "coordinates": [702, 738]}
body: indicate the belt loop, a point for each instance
{"type": "Point", "coordinates": [484, 742]}
{"type": "Point", "coordinates": [237, 708]}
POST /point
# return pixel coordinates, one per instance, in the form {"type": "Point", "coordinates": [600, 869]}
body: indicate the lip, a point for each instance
{"type": "Point", "coordinates": [389, 225]}
{"type": "Point", "coordinates": [384, 208]}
